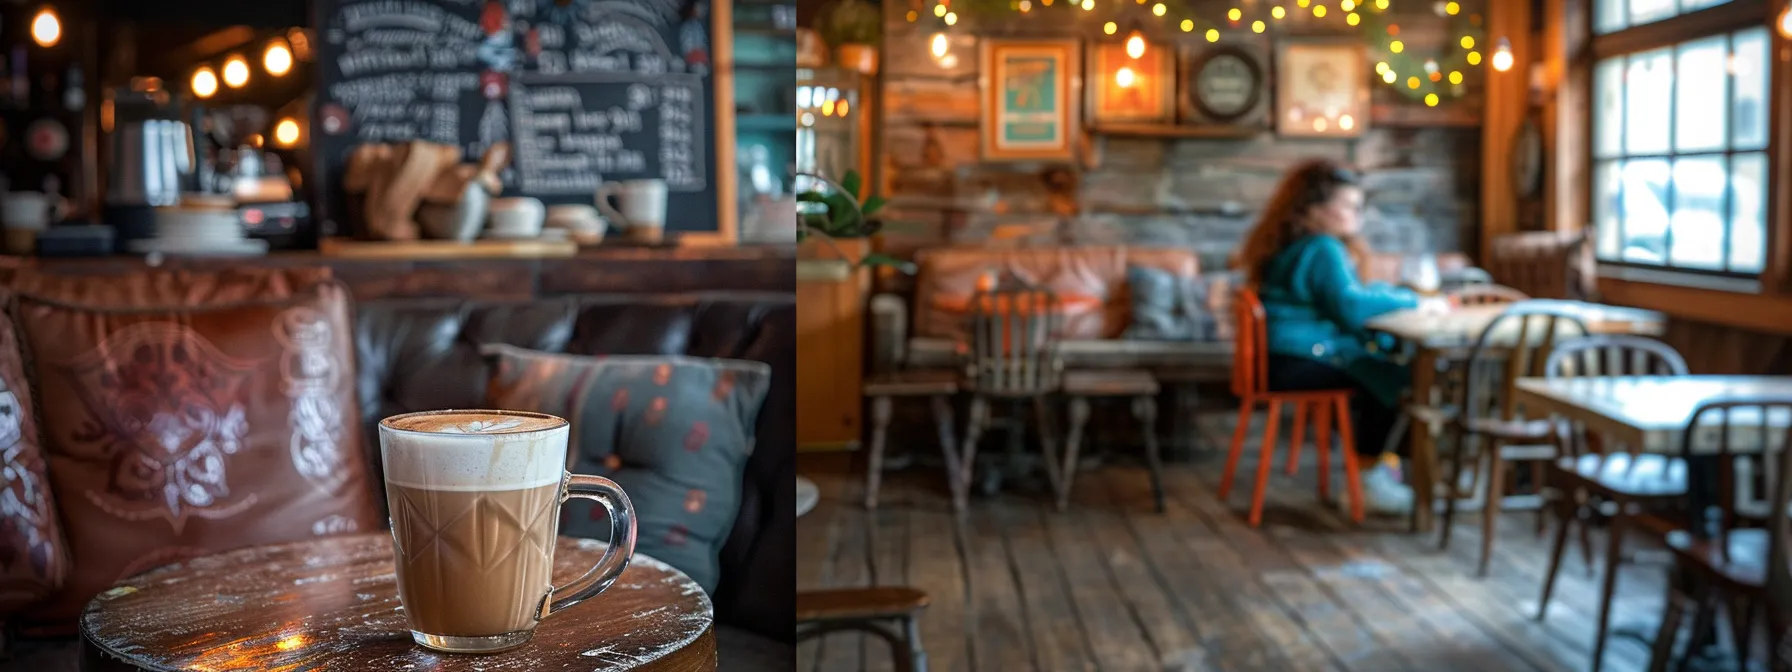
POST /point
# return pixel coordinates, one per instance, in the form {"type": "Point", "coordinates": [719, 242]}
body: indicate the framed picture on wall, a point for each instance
{"type": "Point", "coordinates": [1123, 89]}
{"type": "Point", "coordinates": [1029, 110]}
{"type": "Point", "coordinates": [1322, 88]}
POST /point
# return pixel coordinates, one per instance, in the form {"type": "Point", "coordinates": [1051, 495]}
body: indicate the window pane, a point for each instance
{"type": "Point", "coordinates": [1644, 203]}
{"type": "Point", "coordinates": [1698, 222]}
{"type": "Point", "coordinates": [1645, 11]}
{"type": "Point", "coordinates": [1699, 119]}
{"type": "Point", "coordinates": [1608, 16]}
{"type": "Point", "coordinates": [1748, 212]}
{"type": "Point", "coordinates": [1606, 207]}
{"type": "Point", "coordinates": [1648, 100]}
{"type": "Point", "coordinates": [1750, 68]}
{"type": "Point", "coordinates": [1608, 108]}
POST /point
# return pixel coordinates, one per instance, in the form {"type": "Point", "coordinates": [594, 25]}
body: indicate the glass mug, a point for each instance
{"type": "Point", "coordinates": [475, 500]}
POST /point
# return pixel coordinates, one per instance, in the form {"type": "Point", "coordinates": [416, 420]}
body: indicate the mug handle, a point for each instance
{"type": "Point", "coordinates": [604, 192]}
{"type": "Point", "coordinates": [616, 556]}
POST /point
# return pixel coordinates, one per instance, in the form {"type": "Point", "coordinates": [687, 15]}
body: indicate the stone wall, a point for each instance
{"type": "Point", "coordinates": [1422, 177]}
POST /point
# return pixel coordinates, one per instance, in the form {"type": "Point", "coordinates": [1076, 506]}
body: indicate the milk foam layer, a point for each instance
{"type": "Point", "coordinates": [447, 456]}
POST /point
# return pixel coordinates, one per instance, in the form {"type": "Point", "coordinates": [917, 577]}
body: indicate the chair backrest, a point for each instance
{"type": "Point", "coordinates": [1742, 438]}
{"type": "Point", "coordinates": [1609, 355]}
{"type": "Point", "coordinates": [1486, 295]}
{"type": "Point", "coordinates": [1516, 344]}
{"type": "Point", "coordinates": [1014, 337]}
{"type": "Point", "coordinates": [1250, 345]}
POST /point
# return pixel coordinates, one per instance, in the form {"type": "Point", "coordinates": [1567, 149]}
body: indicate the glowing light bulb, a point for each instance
{"type": "Point", "coordinates": [1346, 122]}
{"type": "Point", "coordinates": [1213, 35]}
{"type": "Point", "coordinates": [912, 15]}
{"type": "Point", "coordinates": [1431, 100]}
{"type": "Point", "coordinates": [939, 10]}
{"type": "Point", "coordinates": [1396, 46]}
{"type": "Point", "coordinates": [1320, 124]}
{"type": "Point", "coordinates": [1430, 65]}
{"type": "Point", "coordinates": [1455, 77]}
{"type": "Point", "coordinates": [205, 82]}
{"type": "Point", "coordinates": [1319, 11]}
{"type": "Point", "coordinates": [1452, 8]}
{"type": "Point", "coordinates": [1109, 28]}
{"type": "Point", "coordinates": [1381, 68]}
{"type": "Point", "coordinates": [1389, 76]}
{"type": "Point", "coordinates": [1188, 25]}
{"type": "Point", "coordinates": [1088, 5]}
{"type": "Point", "coordinates": [1257, 26]}
{"type": "Point", "coordinates": [277, 59]}
{"type": "Point", "coordinates": [286, 132]}
{"type": "Point", "coordinates": [1502, 58]}
{"type": "Point", "coordinates": [951, 18]}
{"type": "Point", "coordinates": [1303, 3]}
{"type": "Point", "coordinates": [1474, 58]}
{"type": "Point", "coordinates": [1159, 9]}
{"type": "Point", "coordinates": [1352, 18]}
{"type": "Point", "coordinates": [1277, 12]}
{"type": "Point", "coordinates": [236, 72]}
{"type": "Point", "coordinates": [1381, 4]}
{"type": "Point", "coordinates": [939, 45]}
{"type": "Point", "coordinates": [1123, 78]}
{"type": "Point", "coordinates": [1785, 22]}
{"type": "Point", "coordinates": [46, 29]}
{"type": "Point", "coordinates": [1135, 45]}
{"type": "Point", "coordinates": [1347, 5]}
{"type": "Point", "coordinates": [1026, 6]}
{"type": "Point", "coordinates": [1412, 82]}
{"type": "Point", "coordinates": [1468, 41]}
{"type": "Point", "coordinates": [1235, 14]}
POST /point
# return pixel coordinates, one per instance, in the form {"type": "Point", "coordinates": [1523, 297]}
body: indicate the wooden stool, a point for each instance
{"type": "Point", "coordinates": [1080, 386]}
{"type": "Point", "coordinates": [332, 604]}
{"type": "Point", "coordinates": [821, 612]}
{"type": "Point", "coordinates": [939, 386]}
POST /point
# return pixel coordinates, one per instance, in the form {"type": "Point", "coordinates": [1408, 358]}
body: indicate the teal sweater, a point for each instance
{"type": "Point", "coordinates": [1316, 308]}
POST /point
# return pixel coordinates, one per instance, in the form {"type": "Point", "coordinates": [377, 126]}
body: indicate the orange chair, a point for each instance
{"type": "Point", "coordinates": [1250, 383]}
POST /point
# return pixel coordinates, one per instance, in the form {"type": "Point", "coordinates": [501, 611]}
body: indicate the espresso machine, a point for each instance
{"type": "Point", "coordinates": [149, 158]}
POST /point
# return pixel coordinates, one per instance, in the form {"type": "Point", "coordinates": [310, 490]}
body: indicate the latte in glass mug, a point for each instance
{"type": "Point", "coordinates": [475, 500]}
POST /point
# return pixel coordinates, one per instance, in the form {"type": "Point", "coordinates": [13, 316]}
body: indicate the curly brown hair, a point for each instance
{"type": "Point", "coordinates": [1306, 185]}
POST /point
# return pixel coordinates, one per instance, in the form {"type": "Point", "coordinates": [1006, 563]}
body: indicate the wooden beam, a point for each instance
{"type": "Point", "coordinates": [1778, 277]}
{"type": "Point", "coordinates": [1508, 98]}
{"type": "Point", "coordinates": [1567, 125]}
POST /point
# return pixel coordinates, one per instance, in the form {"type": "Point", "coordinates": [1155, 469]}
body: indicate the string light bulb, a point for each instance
{"type": "Point", "coordinates": [1319, 11]}
{"type": "Point", "coordinates": [1431, 100]}
{"type": "Point", "coordinates": [1452, 8]}
{"type": "Point", "coordinates": [1455, 77]}
{"type": "Point", "coordinates": [1474, 58]}
{"type": "Point", "coordinates": [939, 45]}
{"type": "Point", "coordinates": [1346, 122]}
{"type": "Point", "coordinates": [1352, 18]}
{"type": "Point", "coordinates": [1396, 46]}
{"type": "Point", "coordinates": [951, 18]}
{"type": "Point", "coordinates": [1502, 57]}
{"type": "Point", "coordinates": [913, 15]}
{"type": "Point", "coordinates": [1188, 25]}
{"type": "Point", "coordinates": [286, 133]}
{"type": "Point", "coordinates": [1088, 5]}
{"type": "Point", "coordinates": [46, 28]}
{"type": "Point", "coordinates": [205, 82]}
{"type": "Point", "coordinates": [1468, 41]}
{"type": "Point", "coordinates": [1347, 5]}
{"type": "Point", "coordinates": [1389, 76]}
{"type": "Point", "coordinates": [1257, 26]}
{"type": "Point", "coordinates": [1412, 83]}
{"type": "Point", "coordinates": [1109, 28]}
{"type": "Point", "coordinates": [1277, 12]}
{"type": "Point", "coordinates": [1382, 68]}
{"type": "Point", "coordinates": [1235, 14]}
{"type": "Point", "coordinates": [939, 10]}
{"type": "Point", "coordinates": [1785, 22]}
{"type": "Point", "coordinates": [1124, 78]}
{"type": "Point", "coordinates": [1381, 4]}
{"type": "Point", "coordinates": [277, 59]}
{"type": "Point", "coordinates": [1159, 9]}
{"type": "Point", "coordinates": [236, 72]}
{"type": "Point", "coordinates": [1135, 45]}
{"type": "Point", "coordinates": [1431, 65]}
{"type": "Point", "coordinates": [1026, 6]}
{"type": "Point", "coordinates": [1213, 34]}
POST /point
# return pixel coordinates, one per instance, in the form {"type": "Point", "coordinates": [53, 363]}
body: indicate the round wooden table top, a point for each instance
{"type": "Point", "coordinates": [332, 604]}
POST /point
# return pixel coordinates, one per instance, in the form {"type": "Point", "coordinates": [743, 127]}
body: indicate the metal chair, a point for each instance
{"type": "Point", "coordinates": [1589, 482]}
{"type": "Point", "coordinates": [872, 611]}
{"type": "Point", "coordinates": [1014, 357]}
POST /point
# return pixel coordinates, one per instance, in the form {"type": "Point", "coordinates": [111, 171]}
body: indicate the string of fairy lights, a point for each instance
{"type": "Point", "coordinates": [1432, 75]}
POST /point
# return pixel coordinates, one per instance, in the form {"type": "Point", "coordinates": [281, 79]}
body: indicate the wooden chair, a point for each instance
{"type": "Point", "coordinates": [1137, 386]}
{"type": "Point", "coordinates": [868, 610]}
{"type": "Point", "coordinates": [1723, 542]}
{"type": "Point", "coordinates": [1587, 482]}
{"type": "Point", "coordinates": [1486, 295]}
{"type": "Point", "coordinates": [1544, 264]}
{"type": "Point", "coordinates": [1014, 357]}
{"type": "Point", "coordinates": [1250, 383]}
{"type": "Point", "coordinates": [1484, 412]}
{"type": "Point", "coordinates": [938, 387]}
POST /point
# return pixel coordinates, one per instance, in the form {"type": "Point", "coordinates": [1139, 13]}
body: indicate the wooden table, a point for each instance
{"type": "Point", "coordinates": [1443, 337]}
{"type": "Point", "coordinates": [1650, 413]}
{"type": "Point", "coordinates": [332, 604]}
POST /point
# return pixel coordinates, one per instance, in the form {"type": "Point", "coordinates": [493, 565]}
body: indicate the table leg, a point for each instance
{"type": "Point", "coordinates": [1424, 449]}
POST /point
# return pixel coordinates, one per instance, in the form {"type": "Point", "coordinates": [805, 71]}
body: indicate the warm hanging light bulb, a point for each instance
{"type": "Point", "coordinates": [1135, 45]}
{"type": "Point", "coordinates": [1430, 65]}
{"type": "Point", "coordinates": [1389, 76]}
{"type": "Point", "coordinates": [277, 59]}
{"type": "Point", "coordinates": [1277, 12]}
{"type": "Point", "coordinates": [286, 133]}
{"type": "Point", "coordinates": [1257, 26]}
{"type": "Point", "coordinates": [205, 82]}
{"type": "Point", "coordinates": [1785, 22]}
{"type": "Point", "coordinates": [1213, 34]}
{"type": "Point", "coordinates": [1124, 78]}
{"type": "Point", "coordinates": [46, 29]}
{"type": "Point", "coordinates": [1188, 25]}
{"type": "Point", "coordinates": [1502, 59]}
{"type": "Point", "coordinates": [938, 45]}
{"type": "Point", "coordinates": [1235, 14]}
{"type": "Point", "coordinates": [1431, 100]}
{"type": "Point", "coordinates": [951, 18]}
{"type": "Point", "coordinates": [1109, 28]}
{"type": "Point", "coordinates": [236, 72]}
{"type": "Point", "coordinates": [1159, 9]}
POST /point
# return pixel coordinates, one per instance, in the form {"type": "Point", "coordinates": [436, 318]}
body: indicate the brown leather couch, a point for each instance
{"type": "Point", "coordinates": [416, 354]}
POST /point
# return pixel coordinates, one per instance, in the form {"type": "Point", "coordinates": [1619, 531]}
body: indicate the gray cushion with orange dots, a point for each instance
{"type": "Point", "coordinates": [675, 432]}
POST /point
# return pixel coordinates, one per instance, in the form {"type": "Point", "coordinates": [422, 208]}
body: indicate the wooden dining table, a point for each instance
{"type": "Point", "coordinates": [1649, 414]}
{"type": "Point", "coordinates": [1442, 337]}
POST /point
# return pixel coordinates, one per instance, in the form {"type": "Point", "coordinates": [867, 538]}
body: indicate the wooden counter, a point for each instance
{"type": "Point", "coordinates": [597, 270]}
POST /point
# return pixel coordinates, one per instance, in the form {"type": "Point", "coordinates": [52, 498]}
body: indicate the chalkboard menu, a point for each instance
{"type": "Point", "coordinates": [586, 91]}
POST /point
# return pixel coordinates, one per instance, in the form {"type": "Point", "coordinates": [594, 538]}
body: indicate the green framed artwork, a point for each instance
{"type": "Point", "coordinates": [1029, 99]}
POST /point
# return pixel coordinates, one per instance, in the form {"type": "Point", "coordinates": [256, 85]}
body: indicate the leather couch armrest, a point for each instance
{"type": "Point", "coordinates": [889, 333]}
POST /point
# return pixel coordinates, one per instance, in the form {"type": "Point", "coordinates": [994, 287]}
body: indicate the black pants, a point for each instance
{"type": "Point", "coordinates": [1370, 420]}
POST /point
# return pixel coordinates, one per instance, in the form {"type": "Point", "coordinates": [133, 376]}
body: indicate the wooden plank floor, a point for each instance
{"type": "Point", "coordinates": [1112, 585]}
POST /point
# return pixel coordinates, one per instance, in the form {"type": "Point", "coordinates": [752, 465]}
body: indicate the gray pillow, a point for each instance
{"type": "Point", "coordinates": [1167, 307]}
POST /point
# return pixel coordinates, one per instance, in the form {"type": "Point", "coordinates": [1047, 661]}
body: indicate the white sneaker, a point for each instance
{"type": "Point", "coordinates": [1384, 494]}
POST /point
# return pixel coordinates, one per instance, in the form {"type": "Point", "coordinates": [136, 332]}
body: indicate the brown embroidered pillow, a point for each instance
{"type": "Point", "coordinates": [33, 556]}
{"type": "Point", "coordinates": [195, 427]}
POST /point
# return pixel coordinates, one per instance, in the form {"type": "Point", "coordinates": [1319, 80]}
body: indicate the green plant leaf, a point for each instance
{"type": "Point", "coordinates": [811, 197]}
{"type": "Point", "coordinates": [872, 205]}
{"type": "Point", "coordinates": [887, 261]}
{"type": "Point", "coordinates": [851, 182]}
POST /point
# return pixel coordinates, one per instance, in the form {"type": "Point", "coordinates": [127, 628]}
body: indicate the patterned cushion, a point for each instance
{"type": "Point", "coordinates": [1167, 307]}
{"type": "Point", "coordinates": [674, 432]}
{"type": "Point", "coordinates": [188, 427]}
{"type": "Point", "coordinates": [33, 555]}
